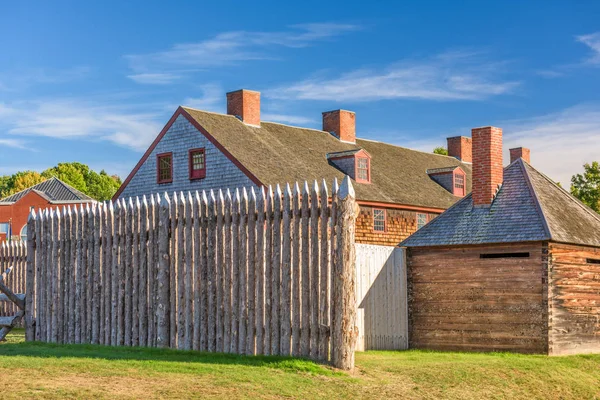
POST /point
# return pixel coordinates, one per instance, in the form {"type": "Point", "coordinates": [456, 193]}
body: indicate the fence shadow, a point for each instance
{"type": "Point", "coordinates": [48, 350]}
{"type": "Point", "coordinates": [383, 306]}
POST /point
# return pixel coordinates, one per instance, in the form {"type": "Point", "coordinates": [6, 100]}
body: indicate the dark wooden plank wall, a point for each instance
{"type": "Point", "coordinates": [574, 291]}
{"type": "Point", "coordinates": [458, 301]}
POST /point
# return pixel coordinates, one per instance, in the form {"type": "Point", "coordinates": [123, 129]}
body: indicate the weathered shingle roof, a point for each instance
{"type": "Point", "coordinates": [528, 207]}
{"type": "Point", "coordinates": [277, 153]}
{"type": "Point", "coordinates": [54, 190]}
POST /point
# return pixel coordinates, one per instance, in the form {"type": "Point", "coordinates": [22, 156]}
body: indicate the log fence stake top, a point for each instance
{"type": "Point", "coordinates": [346, 190]}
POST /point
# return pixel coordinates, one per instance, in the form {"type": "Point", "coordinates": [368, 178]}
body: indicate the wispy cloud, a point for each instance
{"type": "Point", "coordinates": [228, 48]}
{"type": "Point", "coordinates": [16, 81]}
{"type": "Point", "coordinates": [15, 143]}
{"type": "Point", "coordinates": [593, 42]}
{"type": "Point", "coordinates": [76, 119]}
{"type": "Point", "coordinates": [288, 119]}
{"type": "Point", "coordinates": [155, 79]}
{"type": "Point", "coordinates": [447, 76]}
{"type": "Point", "coordinates": [211, 99]}
{"type": "Point", "coordinates": [561, 142]}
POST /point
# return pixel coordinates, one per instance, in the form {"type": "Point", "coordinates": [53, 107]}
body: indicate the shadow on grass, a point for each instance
{"type": "Point", "coordinates": [20, 348]}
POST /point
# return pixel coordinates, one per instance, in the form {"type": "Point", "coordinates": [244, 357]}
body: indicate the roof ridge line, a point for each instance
{"type": "Point", "coordinates": [574, 199]}
{"type": "Point", "coordinates": [537, 202]}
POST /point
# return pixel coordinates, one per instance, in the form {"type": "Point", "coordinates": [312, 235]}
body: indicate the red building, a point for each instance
{"type": "Point", "coordinates": [15, 209]}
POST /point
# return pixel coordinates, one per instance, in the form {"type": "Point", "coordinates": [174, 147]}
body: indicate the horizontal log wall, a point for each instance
{"type": "Point", "coordinates": [249, 273]}
{"type": "Point", "coordinates": [574, 293]}
{"type": "Point", "coordinates": [13, 254]}
{"type": "Point", "coordinates": [458, 301]}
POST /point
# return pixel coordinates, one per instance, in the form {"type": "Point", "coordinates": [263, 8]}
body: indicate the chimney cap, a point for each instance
{"type": "Point", "coordinates": [338, 110]}
{"type": "Point", "coordinates": [243, 90]}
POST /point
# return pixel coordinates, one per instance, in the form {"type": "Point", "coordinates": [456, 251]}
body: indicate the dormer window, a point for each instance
{"type": "Point", "coordinates": [355, 163]}
{"type": "Point", "coordinates": [362, 170]}
{"type": "Point", "coordinates": [453, 179]}
{"type": "Point", "coordinates": [459, 184]}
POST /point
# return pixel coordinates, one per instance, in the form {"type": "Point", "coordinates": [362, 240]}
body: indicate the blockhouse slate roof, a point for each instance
{"type": "Point", "coordinates": [54, 190]}
{"type": "Point", "coordinates": [277, 153]}
{"type": "Point", "coordinates": [528, 207]}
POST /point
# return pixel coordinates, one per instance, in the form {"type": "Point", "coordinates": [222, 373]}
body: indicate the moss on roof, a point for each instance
{"type": "Point", "coordinates": [277, 153]}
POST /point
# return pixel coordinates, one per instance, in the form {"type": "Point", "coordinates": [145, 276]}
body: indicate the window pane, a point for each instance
{"type": "Point", "coordinates": [421, 220]}
{"type": "Point", "coordinates": [379, 220]}
{"type": "Point", "coordinates": [4, 227]}
{"type": "Point", "coordinates": [164, 171]}
{"type": "Point", "coordinates": [362, 169]}
{"type": "Point", "coordinates": [459, 181]}
{"type": "Point", "coordinates": [198, 160]}
{"type": "Point", "coordinates": [24, 233]}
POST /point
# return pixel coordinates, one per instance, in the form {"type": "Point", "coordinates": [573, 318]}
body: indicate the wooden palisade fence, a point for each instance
{"type": "Point", "coordinates": [13, 258]}
{"type": "Point", "coordinates": [254, 272]}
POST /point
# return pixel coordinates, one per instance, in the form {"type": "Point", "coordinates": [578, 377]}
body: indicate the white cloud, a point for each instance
{"type": "Point", "coordinates": [15, 143]}
{"type": "Point", "coordinates": [212, 99]}
{"type": "Point", "coordinates": [593, 42]}
{"type": "Point", "coordinates": [448, 76]}
{"type": "Point", "coordinates": [73, 119]}
{"type": "Point", "coordinates": [287, 119]}
{"type": "Point", "coordinates": [560, 143]}
{"type": "Point", "coordinates": [229, 48]}
{"type": "Point", "coordinates": [154, 79]}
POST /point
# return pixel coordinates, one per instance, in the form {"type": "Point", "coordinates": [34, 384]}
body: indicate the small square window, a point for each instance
{"type": "Point", "coordinates": [165, 168]}
{"type": "Point", "coordinates": [421, 220]}
{"type": "Point", "coordinates": [378, 220]}
{"type": "Point", "coordinates": [4, 228]}
{"type": "Point", "coordinates": [197, 164]}
{"type": "Point", "coordinates": [362, 169]}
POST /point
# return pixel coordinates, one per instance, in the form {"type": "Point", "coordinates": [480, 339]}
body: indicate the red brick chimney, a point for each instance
{"type": "Point", "coordinates": [520, 152]}
{"type": "Point", "coordinates": [460, 147]}
{"type": "Point", "coordinates": [244, 104]}
{"type": "Point", "coordinates": [341, 123]}
{"type": "Point", "coordinates": [487, 164]}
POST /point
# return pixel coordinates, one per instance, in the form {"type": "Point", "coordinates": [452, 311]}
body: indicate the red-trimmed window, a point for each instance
{"type": "Point", "coordinates": [459, 184]}
{"type": "Point", "coordinates": [363, 173]}
{"type": "Point", "coordinates": [197, 164]}
{"type": "Point", "coordinates": [164, 168]}
{"type": "Point", "coordinates": [378, 220]}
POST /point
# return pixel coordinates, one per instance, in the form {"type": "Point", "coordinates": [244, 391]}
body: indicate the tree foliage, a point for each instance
{"type": "Point", "coordinates": [441, 150]}
{"type": "Point", "coordinates": [586, 186]}
{"type": "Point", "coordinates": [99, 186]}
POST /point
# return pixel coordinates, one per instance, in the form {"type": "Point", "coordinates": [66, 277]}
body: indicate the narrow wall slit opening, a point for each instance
{"type": "Point", "coordinates": [505, 255]}
{"type": "Point", "coordinates": [592, 261]}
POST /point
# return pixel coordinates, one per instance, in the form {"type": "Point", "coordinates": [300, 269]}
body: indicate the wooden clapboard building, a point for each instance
{"type": "Point", "coordinates": [398, 189]}
{"type": "Point", "coordinates": [514, 266]}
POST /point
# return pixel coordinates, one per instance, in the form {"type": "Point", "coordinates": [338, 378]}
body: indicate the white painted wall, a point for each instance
{"type": "Point", "coordinates": [381, 295]}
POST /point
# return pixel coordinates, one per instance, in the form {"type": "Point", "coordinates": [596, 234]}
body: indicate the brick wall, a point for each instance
{"type": "Point", "coordinates": [342, 123]}
{"type": "Point", "coordinates": [460, 147]}
{"type": "Point", "coordinates": [179, 139]}
{"type": "Point", "coordinates": [487, 164]}
{"type": "Point", "coordinates": [399, 225]}
{"type": "Point", "coordinates": [18, 213]}
{"type": "Point", "coordinates": [244, 104]}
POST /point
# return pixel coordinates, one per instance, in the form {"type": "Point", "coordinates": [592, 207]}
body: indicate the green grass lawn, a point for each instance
{"type": "Point", "coordinates": [36, 370]}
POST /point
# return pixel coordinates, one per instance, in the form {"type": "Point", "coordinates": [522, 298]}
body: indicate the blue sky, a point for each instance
{"type": "Point", "coordinates": [95, 81]}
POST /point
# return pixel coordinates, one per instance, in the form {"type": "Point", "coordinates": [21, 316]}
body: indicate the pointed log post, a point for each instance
{"type": "Point", "coordinates": [181, 268]}
{"type": "Point", "coordinates": [268, 269]}
{"type": "Point", "coordinates": [286, 275]}
{"type": "Point", "coordinates": [114, 290]}
{"type": "Point", "coordinates": [143, 274]}
{"type": "Point", "coordinates": [276, 274]}
{"type": "Point", "coordinates": [314, 272]}
{"type": "Point", "coordinates": [220, 271]}
{"type": "Point", "coordinates": [243, 273]}
{"type": "Point", "coordinates": [212, 271]}
{"type": "Point", "coordinates": [296, 271]}
{"type": "Point", "coordinates": [189, 273]}
{"type": "Point", "coordinates": [163, 312]}
{"type": "Point", "coordinates": [203, 275]}
{"type": "Point", "coordinates": [250, 293]}
{"type": "Point", "coordinates": [259, 273]}
{"type": "Point", "coordinates": [135, 275]}
{"type": "Point", "coordinates": [344, 329]}
{"type": "Point", "coordinates": [173, 274]}
{"type": "Point", "coordinates": [324, 268]}
{"type": "Point", "coordinates": [30, 281]}
{"type": "Point", "coordinates": [235, 277]}
{"type": "Point", "coordinates": [197, 284]}
{"type": "Point", "coordinates": [152, 250]}
{"type": "Point", "coordinates": [305, 278]}
{"type": "Point", "coordinates": [227, 277]}
{"type": "Point", "coordinates": [333, 246]}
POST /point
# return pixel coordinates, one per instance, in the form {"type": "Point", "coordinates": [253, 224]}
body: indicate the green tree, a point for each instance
{"type": "Point", "coordinates": [25, 179]}
{"type": "Point", "coordinates": [99, 186]}
{"type": "Point", "coordinates": [70, 173]}
{"type": "Point", "coordinates": [441, 150]}
{"type": "Point", "coordinates": [586, 186]}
